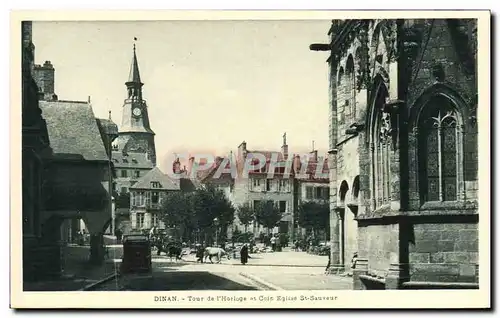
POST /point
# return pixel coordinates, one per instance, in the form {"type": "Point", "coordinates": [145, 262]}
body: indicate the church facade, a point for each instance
{"type": "Point", "coordinates": [134, 151]}
{"type": "Point", "coordinates": [403, 152]}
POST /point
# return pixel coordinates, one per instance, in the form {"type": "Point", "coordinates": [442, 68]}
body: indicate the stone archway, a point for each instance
{"type": "Point", "coordinates": [343, 189]}
{"type": "Point", "coordinates": [97, 223]}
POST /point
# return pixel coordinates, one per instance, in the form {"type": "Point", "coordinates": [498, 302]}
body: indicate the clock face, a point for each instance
{"type": "Point", "coordinates": [137, 111]}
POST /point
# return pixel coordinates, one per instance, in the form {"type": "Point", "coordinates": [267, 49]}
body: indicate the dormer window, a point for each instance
{"type": "Point", "coordinates": [125, 160]}
{"type": "Point", "coordinates": [134, 160]}
{"type": "Point", "coordinates": [155, 184]}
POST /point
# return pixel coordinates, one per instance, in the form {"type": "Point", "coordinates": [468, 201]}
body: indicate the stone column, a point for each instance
{"type": "Point", "coordinates": [96, 222]}
{"type": "Point", "coordinates": [335, 264]}
{"type": "Point", "coordinates": [395, 175]}
{"type": "Point", "coordinates": [413, 187]}
{"type": "Point", "coordinates": [96, 248]}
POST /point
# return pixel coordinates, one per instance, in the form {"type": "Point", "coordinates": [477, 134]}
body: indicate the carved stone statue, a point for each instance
{"type": "Point", "coordinates": [385, 127]}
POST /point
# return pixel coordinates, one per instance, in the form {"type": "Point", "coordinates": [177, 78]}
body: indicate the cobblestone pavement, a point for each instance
{"type": "Point", "coordinates": [285, 258]}
{"type": "Point", "coordinates": [230, 275]}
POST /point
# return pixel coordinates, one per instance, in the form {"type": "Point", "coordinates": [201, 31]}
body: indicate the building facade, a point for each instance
{"type": "Point", "coordinates": [311, 183]}
{"type": "Point", "coordinates": [77, 174]}
{"type": "Point", "coordinates": [147, 194]}
{"type": "Point", "coordinates": [266, 182]}
{"type": "Point", "coordinates": [66, 170]}
{"type": "Point", "coordinates": [146, 197]}
{"type": "Point", "coordinates": [403, 150]}
{"type": "Point", "coordinates": [35, 142]}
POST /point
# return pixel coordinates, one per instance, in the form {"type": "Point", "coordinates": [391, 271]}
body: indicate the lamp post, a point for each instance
{"type": "Point", "coordinates": [216, 223]}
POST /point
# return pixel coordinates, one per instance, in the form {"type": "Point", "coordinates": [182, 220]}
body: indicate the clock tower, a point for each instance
{"type": "Point", "coordinates": [135, 135]}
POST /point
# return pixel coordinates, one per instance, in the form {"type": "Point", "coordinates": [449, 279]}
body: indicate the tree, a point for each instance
{"type": "Point", "coordinates": [197, 210]}
{"type": "Point", "coordinates": [246, 215]}
{"type": "Point", "coordinates": [268, 214]}
{"type": "Point", "coordinates": [314, 215]}
{"type": "Point", "coordinates": [177, 212]}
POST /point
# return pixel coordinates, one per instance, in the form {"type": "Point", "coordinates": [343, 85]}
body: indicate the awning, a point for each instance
{"type": "Point", "coordinates": [287, 218]}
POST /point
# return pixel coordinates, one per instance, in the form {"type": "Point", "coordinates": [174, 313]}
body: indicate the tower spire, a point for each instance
{"type": "Point", "coordinates": [134, 84]}
{"type": "Point", "coordinates": [134, 76]}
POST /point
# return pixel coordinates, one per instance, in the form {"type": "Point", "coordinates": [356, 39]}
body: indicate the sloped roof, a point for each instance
{"type": "Point", "coordinates": [268, 155]}
{"type": "Point", "coordinates": [73, 130]}
{"type": "Point", "coordinates": [189, 184]}
{"type": "Point", "coordinates": [131, 160]}
{"type": "Point", "coordinates": [207, 175]}
{"type": "Point", "coordinates": [312, 169]}
{"type": "Point", "coordinates": [156, 175]}
{"type": "Point", "coordinates": [108, 126]}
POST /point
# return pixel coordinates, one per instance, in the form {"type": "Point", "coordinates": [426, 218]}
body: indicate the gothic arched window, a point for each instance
{"type": "Point", "coordinates": [340, 98]}
{"type": "Point", "coordinates": [438, 151]}
{"type": "Point", "coordinates": [380, 151]}
{"type": "Point", "coordinates": [350, 106]}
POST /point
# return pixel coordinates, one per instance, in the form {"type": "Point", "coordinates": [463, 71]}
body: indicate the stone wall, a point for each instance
{"type": "Point", "coordinates": [446, 252]}
{"type": "Point", "coordinates": [379, 244]}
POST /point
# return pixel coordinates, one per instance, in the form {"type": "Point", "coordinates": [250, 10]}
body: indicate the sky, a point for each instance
{"type": "Point", "coordinates": [209, 85]}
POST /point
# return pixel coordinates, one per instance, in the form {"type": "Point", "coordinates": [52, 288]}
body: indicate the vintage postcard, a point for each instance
{"type": "Point", "coordinates": [218, 159]}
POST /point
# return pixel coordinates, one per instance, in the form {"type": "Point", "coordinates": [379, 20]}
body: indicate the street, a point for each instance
{"type": "Point", "coordinates": [269, 271]}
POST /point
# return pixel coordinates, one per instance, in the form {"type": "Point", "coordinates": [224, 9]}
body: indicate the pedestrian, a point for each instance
{"type": "Point", "coordinates": [273, 243]}
{"type": "Point", "coordinates": [244, 254]}
{"type": "Point", "coordinates": [354, 260]}
{"type": "Point", "coordinates": [118, 234]}
{"type": "Point", "coordinates": [199, 253]}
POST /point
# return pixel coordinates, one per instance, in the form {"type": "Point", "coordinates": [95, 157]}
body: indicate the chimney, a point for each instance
{"type": "Point", "coordinates": [284, 151]}
{"type": "Point", "coordinates": [242, 150]}
{"type": "Point", "coordinates": [284, 148]}
{"type": "Point", "coordinates": [176, 166]}
{"type": "Point", "coordinates": [314, 156]}
{"type": "Point", "coordinates": [44, 76]}
{"type": "Point", "coordinates": [218, 161]}
{"type": "Point", "coordinates": [190, 165]}
{"type": "Point", "coordinates": [296, 163]}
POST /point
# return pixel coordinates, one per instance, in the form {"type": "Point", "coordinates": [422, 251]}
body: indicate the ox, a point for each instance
{"type": "Point", "coordinates": [215, 251]}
